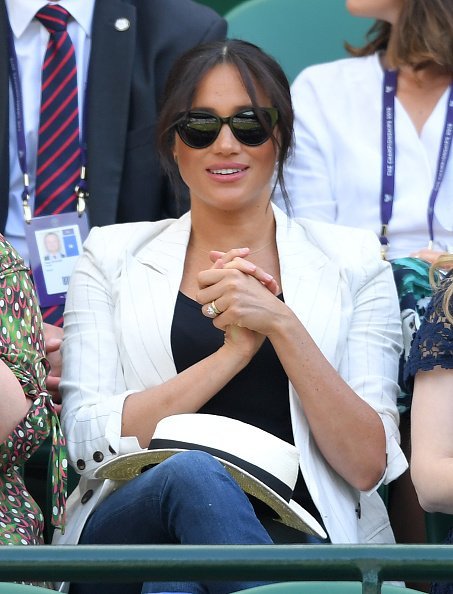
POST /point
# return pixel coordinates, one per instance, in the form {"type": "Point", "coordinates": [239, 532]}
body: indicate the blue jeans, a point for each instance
{"type": "Point", "coordinates": [188, 499]}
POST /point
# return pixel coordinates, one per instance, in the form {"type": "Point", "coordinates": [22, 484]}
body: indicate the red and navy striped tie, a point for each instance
{"type": "Point", "coordinates": [58, 163]}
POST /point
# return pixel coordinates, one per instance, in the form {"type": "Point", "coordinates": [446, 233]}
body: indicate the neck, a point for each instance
{"type": "Point", "coordinates": [429, 73]}
{"type": "Point", "coordinates": [419, 91]}
{"type": "Point", "coordinates": [228, 231]}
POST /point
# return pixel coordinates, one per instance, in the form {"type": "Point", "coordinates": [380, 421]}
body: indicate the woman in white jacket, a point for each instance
{"type": "Point", "coordinates": [235, 310]}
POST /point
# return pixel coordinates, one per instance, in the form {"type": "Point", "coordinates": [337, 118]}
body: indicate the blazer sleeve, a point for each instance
{"type": "Point", "coordinates": [93, 385]}
{"type": "Point", "coordinates": [371, 359]}
{"type": "Point", "coordinates": [369, 338]}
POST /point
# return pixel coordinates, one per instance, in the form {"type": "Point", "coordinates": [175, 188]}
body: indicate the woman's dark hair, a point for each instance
{"type": "Point", "coordinates": [257, 70]}
{"type": "Point", "coordinates": [423, 35]}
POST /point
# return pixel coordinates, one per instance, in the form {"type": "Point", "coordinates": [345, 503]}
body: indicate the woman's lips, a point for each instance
{"type": "Point", "coordinates": [230, 172]}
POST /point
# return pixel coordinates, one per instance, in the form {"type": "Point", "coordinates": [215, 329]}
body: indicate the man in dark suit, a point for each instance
{"type": "Point", "coordinates": [133, 45]}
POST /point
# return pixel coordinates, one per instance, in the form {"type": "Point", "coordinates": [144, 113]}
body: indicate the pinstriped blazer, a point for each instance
{"type": "Point", "coordinates": [118, 320]}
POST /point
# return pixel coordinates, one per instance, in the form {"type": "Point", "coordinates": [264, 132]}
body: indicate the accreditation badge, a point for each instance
{"type": "Point", "coordinates": [54, 244]}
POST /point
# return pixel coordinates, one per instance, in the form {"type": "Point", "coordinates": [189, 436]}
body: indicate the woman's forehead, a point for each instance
{"type": "Point", "coordinates": [223, 86]}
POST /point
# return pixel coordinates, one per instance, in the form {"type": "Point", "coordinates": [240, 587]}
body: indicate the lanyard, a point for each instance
{"type": "Point", "coordinates": [81, 189]}
{"type": "Point", "coordinates": [388, 160]}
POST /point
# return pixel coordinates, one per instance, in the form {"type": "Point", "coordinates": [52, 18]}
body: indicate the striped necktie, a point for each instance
{"type": "Point", "coordinates": [58, 164]}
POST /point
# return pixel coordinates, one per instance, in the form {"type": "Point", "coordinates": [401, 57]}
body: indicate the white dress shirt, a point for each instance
{"type": "Point", "coordinates": [30, 41]}
{"type": "Point", "coordinates": [335, 174]}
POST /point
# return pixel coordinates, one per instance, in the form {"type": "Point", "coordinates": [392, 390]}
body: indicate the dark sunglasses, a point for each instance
{"type": "Point", "coordinates": [199, 129]}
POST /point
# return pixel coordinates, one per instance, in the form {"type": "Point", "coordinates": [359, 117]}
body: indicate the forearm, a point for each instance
{"type": "Point", "coordinates": [121, 418]}
{"type": "Point", "coordinates": [349, 433]}
{"type": "Point", "coordinates": [185, 393]}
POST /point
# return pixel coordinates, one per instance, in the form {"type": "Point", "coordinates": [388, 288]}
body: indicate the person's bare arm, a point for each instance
{"type": "Point", "coordinates": [14, 404]}
{"type": "Point", "coordinates": [190, 389]}
{"type": "Point", "coordinates": [432, 439]}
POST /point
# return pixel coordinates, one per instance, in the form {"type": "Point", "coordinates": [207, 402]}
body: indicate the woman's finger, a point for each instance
{"type": "Point", "coordinates": [251, 269]}
{"type": "Point", "coordinates": [236, 257]}
{"type": "Point", "coordinates": [211, 310]}
{"type": "Point", "coordinates": [226, 257]}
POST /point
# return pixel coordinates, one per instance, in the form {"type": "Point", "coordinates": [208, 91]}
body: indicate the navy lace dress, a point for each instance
{"type": "Point", "coordinates": [433, 345]}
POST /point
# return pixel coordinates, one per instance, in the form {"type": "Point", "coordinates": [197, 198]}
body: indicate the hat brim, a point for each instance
{"type": "Point", "coordinates": [128, 466]}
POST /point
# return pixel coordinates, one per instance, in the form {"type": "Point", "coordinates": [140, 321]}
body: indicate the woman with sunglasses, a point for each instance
{"type": "Point", "coordinates": [234, 310]}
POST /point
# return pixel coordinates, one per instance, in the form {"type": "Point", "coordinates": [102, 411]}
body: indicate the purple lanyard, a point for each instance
{"type": "Point", "coordinates": [81, 188]}
{"type": "Point", "coordinates": [388, 161]}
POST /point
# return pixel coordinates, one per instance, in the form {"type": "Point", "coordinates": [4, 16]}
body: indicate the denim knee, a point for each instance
{"type": "Point", "coordinates": [194, 468]}
{"type": "Point", "coordinates": [196, 478]}
{"type": "Point", "coordinates": [183, 463]}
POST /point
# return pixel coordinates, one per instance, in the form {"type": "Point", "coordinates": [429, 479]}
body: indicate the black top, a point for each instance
{"type": "Point", "coordinates": [433, 342]}
{"type": "Point", "coordinates": [257, 395]}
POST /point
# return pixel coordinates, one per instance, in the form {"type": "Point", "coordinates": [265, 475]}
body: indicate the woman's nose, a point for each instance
{"type": "Point", "coordinates": [226, 141]}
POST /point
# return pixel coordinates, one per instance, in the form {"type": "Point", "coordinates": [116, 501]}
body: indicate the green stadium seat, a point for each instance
{"type": "Point", "coordinates": [221, 6]}
{"type": "Point", "coordinates": [10, 588]}
{"type": "Point", "coordinates": [297, 33]}
{"type": "Point", "coordinates": [323, 588]}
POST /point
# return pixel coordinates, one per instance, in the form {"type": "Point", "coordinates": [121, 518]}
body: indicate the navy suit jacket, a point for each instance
{"type": "Point", "coordinates": [126, 76]}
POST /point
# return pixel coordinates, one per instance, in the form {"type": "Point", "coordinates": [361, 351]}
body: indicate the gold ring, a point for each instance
{"type": "Point", "coordinates": [212, 310]}
{"type": "Point", "coordinates": [215, 309]}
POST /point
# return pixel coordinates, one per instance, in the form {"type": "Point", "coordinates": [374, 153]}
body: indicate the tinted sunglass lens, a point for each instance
{"type": "Point", "coordinates": [248, 129]}
{"type": "Point", "coordinates": [199, 131]}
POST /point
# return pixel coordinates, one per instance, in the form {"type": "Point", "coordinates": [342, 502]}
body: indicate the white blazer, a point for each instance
{"type": "Point", "coordinates": [118, 319]}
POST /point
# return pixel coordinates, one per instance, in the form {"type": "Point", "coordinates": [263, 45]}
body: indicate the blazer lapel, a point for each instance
{"type": "Point", "coordinates": [310, 283]}
{"type": "Point", "coordinates": [4, 117]}
{"type": "Point", "coordinates": [109, 82]}
{"type": "Point", "coordinates": [158, 270]}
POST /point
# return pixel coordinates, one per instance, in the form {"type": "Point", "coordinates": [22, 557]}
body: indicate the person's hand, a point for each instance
{"type": "Point", "coordinates": [241, 340]}
{"type": "Point", "coordinates": [53, 337]}
{"type": "Point", "coordinates": [237, 257]}
{"type": "Point", "coordinates": [427, 255]}
{"type": "Point", "coordinates": [231, 296]}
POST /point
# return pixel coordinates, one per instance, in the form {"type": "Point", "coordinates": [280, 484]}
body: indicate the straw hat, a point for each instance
{"type": "Point", "coordinates": [263, 465]}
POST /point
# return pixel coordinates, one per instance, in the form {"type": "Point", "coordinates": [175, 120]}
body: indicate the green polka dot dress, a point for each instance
{"type": "Point", "coordinates": [22, 350]}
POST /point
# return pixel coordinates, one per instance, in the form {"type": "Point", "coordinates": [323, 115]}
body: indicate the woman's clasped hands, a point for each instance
{"type": "Point", "coordinates": [240, 297]}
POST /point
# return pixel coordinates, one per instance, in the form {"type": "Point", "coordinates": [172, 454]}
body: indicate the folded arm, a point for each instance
{"type": "Point", "coordinates": [351, 414]}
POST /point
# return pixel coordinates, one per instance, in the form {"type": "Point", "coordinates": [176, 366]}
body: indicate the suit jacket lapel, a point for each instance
{"type": "Point", "coordinates": [109, 82]}
{"type": "Point", "coordinates": [4, 117]}
{"type": "Point", "coordinates": [157, 271]}
{"type": "Point", "coordinates": [310, 283]}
